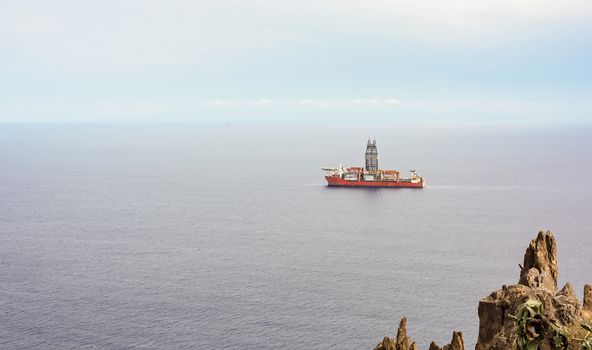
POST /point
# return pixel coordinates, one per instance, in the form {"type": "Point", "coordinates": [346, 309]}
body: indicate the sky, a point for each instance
{"type": "Point", "coordinates": [420, 61]}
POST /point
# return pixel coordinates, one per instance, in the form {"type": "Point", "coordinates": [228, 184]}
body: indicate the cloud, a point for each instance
{"type": "Point", "coordinates": [248, 102]}
{"type": "Point", "coordinates": [127, 109]}
{"type": "Point", "coordinates": [311, 102]}
{"type": "Point", "coordinates": [212, 56]}
{"type": "Point", "coordinates": [376, 101]}
{"type": "Point", "coordinates": [259, 102]}
{"type": "Point", "coordinates": [223, 103]}
{"type": "Point", "coordinates": [207, 34]}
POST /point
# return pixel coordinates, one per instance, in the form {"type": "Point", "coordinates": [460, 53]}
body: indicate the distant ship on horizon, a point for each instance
{"type": "Point", "coordinates": [371, 175]}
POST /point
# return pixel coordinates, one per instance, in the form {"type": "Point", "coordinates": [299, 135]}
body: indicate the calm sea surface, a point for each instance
{"type": "Point", "coordinates": [209, 237]}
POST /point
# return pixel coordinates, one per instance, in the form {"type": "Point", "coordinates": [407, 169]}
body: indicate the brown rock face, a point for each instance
{"type": "Point", "coordinates": [587, 308]}
{"type": "Point", "coordinates": [494, 325]}
{"type": "Point", "coordinates": [588, 297]}
{"type": "Point", "coordinates": [540, 263]}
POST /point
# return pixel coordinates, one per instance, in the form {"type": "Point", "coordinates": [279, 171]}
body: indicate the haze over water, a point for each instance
{"type": "Point", "coordinates": [205, 236]}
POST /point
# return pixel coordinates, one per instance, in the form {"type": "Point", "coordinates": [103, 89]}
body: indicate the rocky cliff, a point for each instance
{"type": "Point", "coordinates": [531, 314]}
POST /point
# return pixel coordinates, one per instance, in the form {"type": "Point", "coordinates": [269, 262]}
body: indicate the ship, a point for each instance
{"type": "Point", "coordinates": [371, 175]}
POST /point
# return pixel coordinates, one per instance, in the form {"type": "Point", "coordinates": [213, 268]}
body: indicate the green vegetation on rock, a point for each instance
{"type": "Point", "coordinates": [533, 329]}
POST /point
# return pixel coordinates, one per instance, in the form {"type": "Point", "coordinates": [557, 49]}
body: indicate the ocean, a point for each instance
{"type": "Point", "coordinates": [207, 236]}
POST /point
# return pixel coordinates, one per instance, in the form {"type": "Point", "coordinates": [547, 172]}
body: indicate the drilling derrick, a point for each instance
{"type": "Point", "coordinates": [371, 156]}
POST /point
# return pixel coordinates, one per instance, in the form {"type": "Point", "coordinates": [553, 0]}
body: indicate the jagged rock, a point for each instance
{"type": "Point", "coordinates": [403, 342]}
{"type": "Point", "coordinates": [567, 305]}
{"type": "Point", "coordinates": [567, 290]}
{"type": "Point", "coordinates": [457, 343]}
{"type": "Point", "coordinates": [540, 263]}
{"type": "Point", "coordinates": [387, 344]}
{"type": "Point", "coordinates": [402, 338]}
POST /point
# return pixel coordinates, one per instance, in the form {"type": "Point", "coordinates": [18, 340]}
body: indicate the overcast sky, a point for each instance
{"type": "Point", "coordinates": [218, 60]}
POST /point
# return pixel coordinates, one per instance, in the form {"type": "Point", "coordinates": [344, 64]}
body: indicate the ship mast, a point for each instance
{"type": "Point", "coordinates": [371, 156]}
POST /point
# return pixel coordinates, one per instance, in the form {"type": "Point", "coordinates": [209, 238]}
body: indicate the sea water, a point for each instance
{"type": "Point", "coordinates": [226, 236]}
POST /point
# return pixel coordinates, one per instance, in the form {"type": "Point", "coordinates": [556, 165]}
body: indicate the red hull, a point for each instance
{"type": "Point", "coordinates": [337, 181]}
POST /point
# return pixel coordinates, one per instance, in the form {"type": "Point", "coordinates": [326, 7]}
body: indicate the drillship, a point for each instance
{"type": "Point", "coordinates": [371, 176]}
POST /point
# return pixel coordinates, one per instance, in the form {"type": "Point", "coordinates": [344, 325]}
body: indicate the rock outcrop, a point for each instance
{"type": "Point", "coordinates": [560, 316]}
{"type": "Point", "coordinates": [457, 343]}
{"type": "Point", "coordinates": [403, 342]}
{"type": "Point", "coordinates": [540, 263]}
{"type": "Point", "coordinates": [538, 280]}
